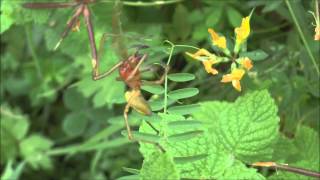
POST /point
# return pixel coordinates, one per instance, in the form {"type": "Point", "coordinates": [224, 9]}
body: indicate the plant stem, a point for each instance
{"type": "Point", "coordinates": [302, 37]}
{"type": "Point", "coordinates": [165, 101]}
{"type": "Point", "coordinates": [286, 167]}
{"type": "Point", "coordinates": [33, 53]}
{"type": "Point", "coordinates": [146, 4]}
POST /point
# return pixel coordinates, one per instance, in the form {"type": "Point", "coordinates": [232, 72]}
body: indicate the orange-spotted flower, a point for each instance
{"type": "Point", "coordinates": [207, 60]}
{"type": "Point", "coordinates": [235, 77]}
{"type": "Point", "coordinates": [246, 63]}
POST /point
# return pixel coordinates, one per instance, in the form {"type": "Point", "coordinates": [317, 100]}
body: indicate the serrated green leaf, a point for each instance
{"type": "Point", "coordinates": [33, 151]}
{"type": "Point", "coordinates": [130, 177]}
{"type": "Point", "coordinates": [256, 55]}
{"type": "Point", "coordinates": [181, 77]}
{"type": "Point", "coordinates": [153, 89]}
{"type": "Point", "coordinates": [75, 123]}
{"type": "Point", "coordinates": [249, 128]}
{"type": "Point", "coordinates": [248, 135]}
{"type": "Point", "coordinates": [241, 172]}
{"type": "Point", "coordinates": [159, 166]}
{"type": "Point", "coordinates": [184, 109]}
{"type": "Point", "coordinates": [183, 93]}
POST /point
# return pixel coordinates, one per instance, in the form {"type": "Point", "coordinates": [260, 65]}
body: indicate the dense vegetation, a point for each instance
{"type": "Point", "coordinates": [242, 92]}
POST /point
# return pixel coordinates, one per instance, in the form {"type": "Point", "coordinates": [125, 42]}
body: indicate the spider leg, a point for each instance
{"type": "Point", "coordinates": [48, 5]}
{"type": "Point", "coordinates": [71, 23]}
{"type": "Point", "coordinates": [125, 114]}
{"type": "Point", "coordinates": [144, 57]}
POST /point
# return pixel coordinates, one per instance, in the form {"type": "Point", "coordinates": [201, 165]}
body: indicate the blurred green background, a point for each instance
{"type": "Point", "coordinates": [50, 103]}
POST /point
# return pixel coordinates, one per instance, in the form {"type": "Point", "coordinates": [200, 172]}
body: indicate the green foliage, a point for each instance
{"type": "Point", "coordinates": [159, 166]}
{"type": "Point", "coordinates": [55, 118]}
{"type": "Point", "coordinates": [229, 135]}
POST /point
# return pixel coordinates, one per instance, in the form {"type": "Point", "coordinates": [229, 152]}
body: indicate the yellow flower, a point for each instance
{"type": "Point", "coordinates": [219, 41]}
{"type": "Point", "coordinates": [243, 31]}
{"type": "Point", "coordinates": [235, 77]}
{"type": "Point", "coordinates": [246, 63]}
{"type": "Point", "coordinates": [206, 58]}
{"type": "Point", "coordinates": [208, 66]}
{"type": "Point", "coordinates": [317, 35]}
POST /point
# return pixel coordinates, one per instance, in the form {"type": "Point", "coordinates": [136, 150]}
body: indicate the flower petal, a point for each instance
{"type": "Point", "coordinates": [208, 66]}
{"type": "Point", "coordinates": [226, 78]}
{"type": "Point", "coordinates": [237, 74]}
{"type": "Point", "coordinates": [246, 63]}
{"type": "Point", "coordinates": [217, 40]}
{"type": "Point", "coordinates": [243, 31]}
{"type": "Point", "coordinates": [236, 84]}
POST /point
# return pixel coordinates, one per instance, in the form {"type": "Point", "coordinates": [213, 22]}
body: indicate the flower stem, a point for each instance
{"type": "Point", "coordinates": [303, 37]}
{"type": "Point", "coordinates": [146, 4]}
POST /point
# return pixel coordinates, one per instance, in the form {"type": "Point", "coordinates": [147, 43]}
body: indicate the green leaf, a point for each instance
{"type": "Point", "coordinates": [74, 100]}
{"type": "Point", "coordinates": [130, 177]}
{"type": "Point", "coordinates": [234, 16]}
{"type": "Point", "coordinates": [159, 166]}
{"type": "Point", "coordinates": [184, 136]}
{"type": "Point", "coordinates": [240, 171]}
{"type": "Point", "coordinates": [75, 123]}
{"type": "Point", "coordinates": [185, 124]}
{"type": "Point", "coordinates": [33, 151]}
{"type": "Point", "coordinates": [249, 128]}
{"type": "Point", "coordinates": [180, 22]}
{"type": "Point", "coordinates": [13, 128]}
{"type": "Point", "coordinates": [244, 130]}
{"type": "Point", "coordinates": [214, 17]}
{"type": "Point", "coordinates": [101, 90]}
{"type": "Point", "coordinates": [184, 109]}
{"type": "Point", "coordinates": [181, 77]}
{"type": "Point", "coordinates": [153, 89]}
{"type": "Point", "coordinates": [256, 55]}
{"type": "Point", "coordinates": [14, 122]}
{"type": "Point", "coordinates": [183, 93]}
{"type": "Point", "coordinates": [307, 142]}
{"type": "Point", "coordinates": [11, 173]}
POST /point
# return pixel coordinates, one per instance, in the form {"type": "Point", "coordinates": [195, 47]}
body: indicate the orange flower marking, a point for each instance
{"type": "Point", "coordinates": [217, 40]}
{"type": "Point", "coordinates": [235, 77]}
{"type": "Point", "coordinates": [246, 63]}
